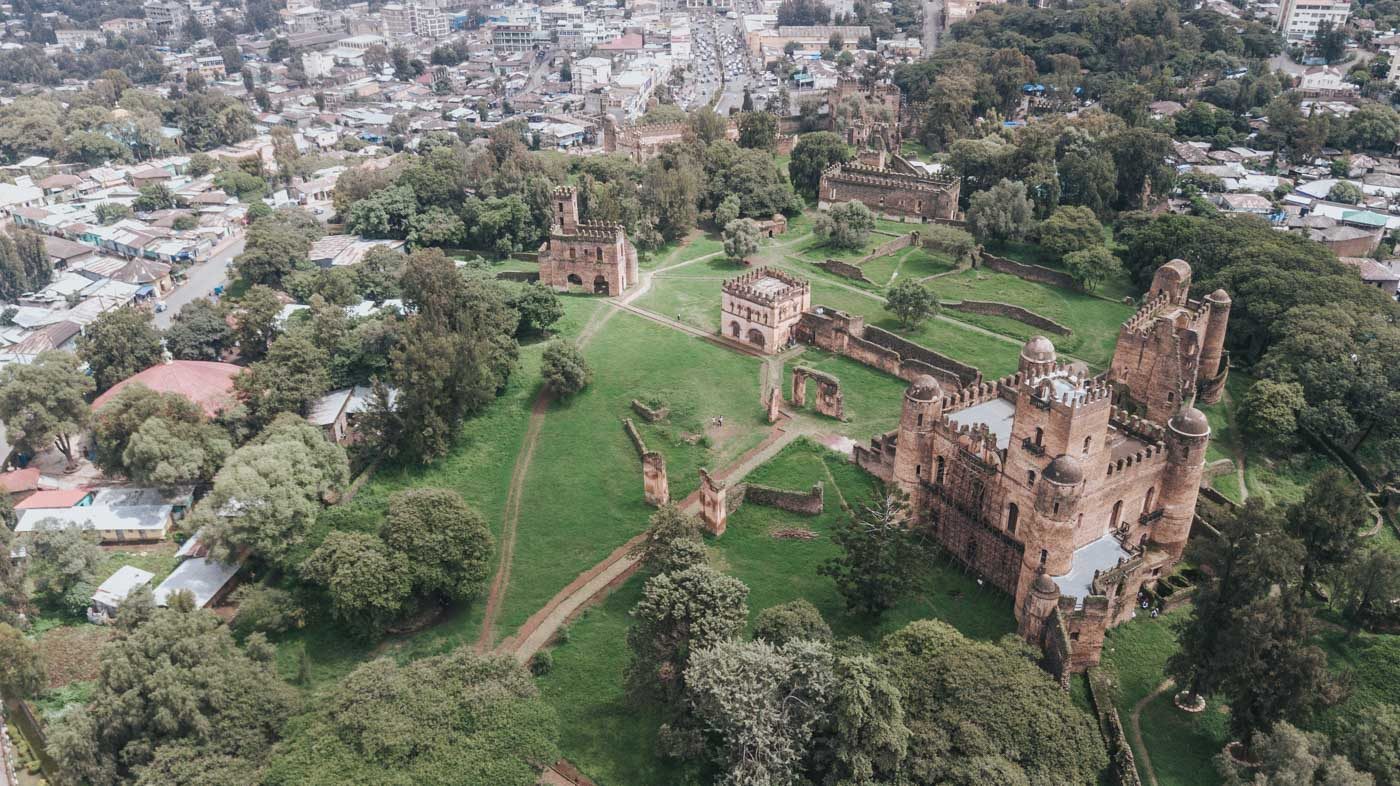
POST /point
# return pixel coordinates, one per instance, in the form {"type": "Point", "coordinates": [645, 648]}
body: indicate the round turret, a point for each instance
{"type": "Point", "coordinates": [1037, 357]}
{"type": "Point", "coordinates": [1190, 422]}
{"type": "Point", "coordinates": [1044, 585]}
{"type": "Point", "coordinates": [1219, 297]}
{"type": "Point", "coordinates": [1065, 471]}
{"type": "Point", "coordinates": [924, 388]}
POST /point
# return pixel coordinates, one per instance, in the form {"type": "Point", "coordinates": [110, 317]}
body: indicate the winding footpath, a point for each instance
{"type": "Point", "coordinates": [1135, 732]}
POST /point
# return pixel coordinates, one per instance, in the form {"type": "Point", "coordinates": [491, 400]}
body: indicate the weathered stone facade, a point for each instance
{"type": "Point", "coordinates": [586, 256]}
{"type": "Point", "coordinates": [896, 195]}
{"type": "Point", "coordinates": [763, 306]}
{"type": "Point", "coordinates": [829, 400]}
{"type": "Point", "coordinates": [1173, 346]}
{"type": "Point", "coordinates": [1049, 491]}
{"type": "Point", "coordinates": [642, 142]}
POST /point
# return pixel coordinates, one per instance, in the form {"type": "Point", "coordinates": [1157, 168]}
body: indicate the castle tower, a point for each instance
{"type": "Point", "coordinates": [566, 209]}
{"type": "Point", "coordinates": [923, 406]}
{"type": "Point", "coordinates": [1039, 604]}
{"type": "Point", "coordinates": [1037, 358]}
{"type": "Point", "coordinates": [1049, 540]}
{"type": "Point", "coordinates": [1213, 345]}
{"type": "Point", "coordinates": [1188, 431]}
{"type": "Point", "coordinates": [1174, 279]}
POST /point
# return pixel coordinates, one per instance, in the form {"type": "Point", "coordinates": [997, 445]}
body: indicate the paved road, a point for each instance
{"type": "Point", "coordinates": [201, 279]}
{"type": "Point", "coordinates": [933, 25]}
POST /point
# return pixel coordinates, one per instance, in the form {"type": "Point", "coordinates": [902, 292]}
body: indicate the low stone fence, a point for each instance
{"type": "Point", "coordinates": [1036, 273]}
{"type": "Point", "coordinates": [899, 243]}
{"type": "Point", "coordinates": [1220, 467]}
{"type": "Point", "coordinates": [1122, 766]}
{"type": "Point", "coordinates": [635, 436]}
{"type": "Point", "coordinates": [526, 256]}
{"type": "Point", "coordinates": [908, 351]}
{"type": "Point", "coordinates": [843, 269]}
{"type": "Point", "coordinates": [806, 503]}
{"type": "Point", "coordinates": [648, 414]}
{"type": "Point", "coordinates": [993, 308]}
{"type": "Point", "coordinates": [523, 276]}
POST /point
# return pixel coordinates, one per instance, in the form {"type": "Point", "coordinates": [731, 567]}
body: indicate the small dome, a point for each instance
{"type": "Point", "coordinates": [1219, 296]}
{"type": "Point", "coordinates": [1191, 422]}
{"type": "Point", "coordinates": [1044, 585]}
{"type": "Point", "coordinates": [924, 388]}
{"type": "Point", "coordinates": [1065, 471]}
{"type": "Point", "coordinates": [1039, 350]}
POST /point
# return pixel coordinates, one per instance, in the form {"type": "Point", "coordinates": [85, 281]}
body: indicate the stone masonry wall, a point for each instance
{"type": "Point", "coordinates": [993, 308]}
{"type": "Point", "coordinates": [1036, 273]}
{"type": "Point", "coordinates": [909, 350]}
{"type": "Point", "coordinates": [806, 503]}
{"type": "Point", "coordinates": [844, 269]}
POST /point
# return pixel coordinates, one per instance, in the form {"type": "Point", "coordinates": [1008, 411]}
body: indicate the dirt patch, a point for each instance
{"type": "Point", "coordinates": [73, 653]}
{"type": "Point", "coordinates": [794, 534]}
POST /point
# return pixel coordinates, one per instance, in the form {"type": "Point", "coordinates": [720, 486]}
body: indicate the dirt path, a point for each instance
{"type": "Point", "coordinates": [1135, 731]}
{"type": "Point", "coordinates": [1235, 448]}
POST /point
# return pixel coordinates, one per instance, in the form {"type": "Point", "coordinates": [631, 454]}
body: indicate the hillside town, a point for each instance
{"type": "Point", "coordinates": [646, 392]}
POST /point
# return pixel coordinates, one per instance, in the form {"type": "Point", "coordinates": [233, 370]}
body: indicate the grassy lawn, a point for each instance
{"type": "Point", "coordinates": [872, 398]}
{"type": "Point", "coordinates": [583, 493]}
{"type": "Point", "coordinates": [479, 468]}
{"type": "Point", "coordinates": [915, 263]}
{"type": "Point", "coordinates": [1094, 322]}
{"type": "Point", "coordinates": [614, 743]}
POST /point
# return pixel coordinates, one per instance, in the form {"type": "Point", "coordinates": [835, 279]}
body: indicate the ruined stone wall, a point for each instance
{"type": "Point", "coordinates": [1086, 626]}
{"type": "Point", "coordinates": [890, 246]}
{"type": "Point", "coordinates": [843, 269]}
{"type": "Point", "coordinates": [878, 457]}
{"type": "Point", "coordinates": [993, 308]}
{"type": "Point", "coordinates": [635, 436]}
{"type": "Point", "coordinates": [1036, 273]}
{"type": "Point", "coordinates": [911, 351]}
{"type": "Point", "coordinates": [522, 276]}
{"type": "Point", "coordinates": [1055, 644]}
{"type": "Point", "coordinates": [1122, 767]}
{"type": "Point", "coordinates": [648, 414]}
{"type": "Point", "coordinates": [806, 503]}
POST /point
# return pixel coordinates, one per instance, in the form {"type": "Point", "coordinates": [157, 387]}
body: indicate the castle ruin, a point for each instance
{"type": "Point", "coordinates": [900, 196]}
{"type": "Point", "coordinates": [588, 256]}
{"type": "Point", "coordinates": [763, 306]}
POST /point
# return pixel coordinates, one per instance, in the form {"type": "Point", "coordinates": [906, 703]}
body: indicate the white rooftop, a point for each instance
{"type": "Point", "coordinates": [125, 581]}
{"type": "Point", "coordinates": [201, 576]}
{"type": "Point", "coordinates": [997, 413]}
{"type": "Point", "coordinates": [1100, 555]}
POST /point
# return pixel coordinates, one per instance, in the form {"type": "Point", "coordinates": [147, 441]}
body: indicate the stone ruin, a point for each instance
{"type": "Point", "coordinates": [829, 400]}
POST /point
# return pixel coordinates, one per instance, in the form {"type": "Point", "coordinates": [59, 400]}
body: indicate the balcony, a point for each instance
{"type": "Point", "coordinates": [1032, 448]}
{"type": "Point", "coordinates": [1148, 518]}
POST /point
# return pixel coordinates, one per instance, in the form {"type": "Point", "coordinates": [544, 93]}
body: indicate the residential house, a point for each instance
{"type": "Point", "coordinates": [112, 592]}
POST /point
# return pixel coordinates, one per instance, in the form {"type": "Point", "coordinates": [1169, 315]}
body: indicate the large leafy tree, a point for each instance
{"type": "Point", "coordinates": [460, 719]}
{"type": "Point", "coordinates": [176, 701]}
{"type": "Point", "coordinates": [43, 402]}
{"type": "Point", "coordinates": [1288, 756]}
{"type": "Point", "coordinates": [564, 370]}
{"type": "Point", "coordinates": [1070, 229]}
{"type": "Point", "coordinates": [277, 244]}
{"type": "Point", "coordinates": [293, 375]}
{"type": "Point", "coordinates": [680, 613]}
{"type": "Point", "coordinates": [174, 453]}
{"type": "Point", "coordinates": [978, 711]}
{"type": "Point", "coordinates": [812, 154]}
{"type": "Point", "coordinates": [21, 669]}
{"type": "Point", "coordinates": [61, 558]}
{"type": "Point", "coordinates": [911, 302]}
{"type": "Point", "coordinates": [255, 321]}
{"type": "Point", "coordinates": [881, 556]}
{"type": "Point", "coordinates": [368, 583]}
{"type": "Point", "coordinates": [119, 343]}
{"type": "Point", "coordinates": [740, 239]}
{"type": "Point", "coordinates": [200, 331]}
{"type": "Point", "coordinates": [845, 226]}
{"type": "Point", "coordinates": [1328, 522]}
{"type": "Point", "coordinates": [1002, 212]}
{"type": "Point", "coordinates": [758, 130]}
{"type": "Point", "coordinates": [447, 544]}
{"type": "Point", "coordinates": [127, 411]}
{"type": "Point", "coordinates": [672, 543]}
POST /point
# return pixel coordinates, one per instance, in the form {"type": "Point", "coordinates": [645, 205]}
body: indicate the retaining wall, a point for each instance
{"type": "Point", "coordinates": [1036, 273]}
{"type": "Point", "coordinates": [843, 269]}
{"type": "Point", "coordinates": [993, 308]}
{"type": "Point", "coordinates": [806, 503]}
{"type": "Point", "coordinates": [908, 350]}
{"type": "Point", "coordinates": [1122, 767]}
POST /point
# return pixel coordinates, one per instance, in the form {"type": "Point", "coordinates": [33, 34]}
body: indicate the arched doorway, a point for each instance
{"type": "Point", "coordinates": [1013, 512]}
{"type": "Point", "coordinates": [575, 280]}
{"type": "Point", "coordinates": [1116, 516]}
{"type": "Point", "coordinates": [734, 329]}
{"type": "Point", "coordinates": [755, 337]}
{"type": "Point", "coordinates": [600, 286]}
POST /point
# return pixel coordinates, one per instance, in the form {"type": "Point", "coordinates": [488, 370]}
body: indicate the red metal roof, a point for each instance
{"type": "Point", "coordinates": [207, 383]}
{"type": "Point", "coordinates": [53, 498]}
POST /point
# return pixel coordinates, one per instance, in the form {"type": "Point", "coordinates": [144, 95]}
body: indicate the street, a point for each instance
{"type": "Point", "coordinates": [201, 278]}
{"type": "Point", "coordinates": [933, 25]}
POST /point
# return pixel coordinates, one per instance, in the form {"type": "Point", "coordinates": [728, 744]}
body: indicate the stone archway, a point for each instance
{"type": "Point", "coordinates": [574, 280]}
{"type": "Point", "coordinates": [829, 399]}
{"type": "Point", "coordinates": [734, 330]}
{"type": "Point", "coordinates": [600, 286]}
{"type": "Point", "coordinates": [756, 337]}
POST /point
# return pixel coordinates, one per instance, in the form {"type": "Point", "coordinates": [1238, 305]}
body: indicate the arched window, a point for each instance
{"type": "Point", "coordinates": [1012, 513]}
{"type": "Point", "coordinates": [1044, 555]}
{"type": "Point", "coordinates": [1030, 478]}
{"type": "Point", "coordinates": [939, 477]}
{"type": "Point", "coordinates": [1117, 514]}
{"type": "Point", "coordinates": [1039, 435]}
{"type": "Point", "coordinates": [1087, 442]}
{"type": "Point", "coordinates": [921, 420]}
{"type": "Point", "coordinates": [1147, 500]}
{"type": "Point", "coordinates": [599, 251]}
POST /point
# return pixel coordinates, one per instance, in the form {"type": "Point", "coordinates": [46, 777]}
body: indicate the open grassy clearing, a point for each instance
{"type": "Point", "coordinates": [615, 743]}
{"type": "Point", "coordinates": [1094, 321]}
{"type": "Point", "coordinates": [873, 398]}
{"type": "Point", "coordinates": [915, 263]}
{"type": "Point", "coordinates": [583, 493]}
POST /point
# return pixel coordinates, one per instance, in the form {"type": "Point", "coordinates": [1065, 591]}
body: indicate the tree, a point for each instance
{"type": "Point", "coordinates": [564, 370]}
{"type": "Point", "coordinates": [1287, 756]}
{"type": "Point", "coordinates": [847, 225]}
{"type": "Point", "coordinates": [368, 583]}
{"type": "Point", "coordinates": [669, 545]}
{"type": "Point", "coordinates": [263, 609]}
{"type": "Point", "coordinates": [172, 453]}
{"type": "Point", "coordinates": [175, 695]}
{"type": "Point", "coordinates": [538, 307]}
{"type": "Point", "coordinates": [1002, 212]}
{"type": "Point", "coordinates": [1270, 410]}
{"type": "Point", "coordinates": [293, 376]}
{"type": "Point", "coordinates": [1328, 521]}
{"type": "Point", "coordinates": [459, 718]}
{"type": "Point", "coordinates": [803, 12]}
{"type": "Point", "coordinates": [152, 198]}
{"type": "Point", "coordinates": [796, 620]}
{"type": "Point", "coordinates": [707, 126]}
{"type": "Point", "coordinates": [1372, 741]}
{"type": "Point", "coordinates": [61, 557]}
{"type": "Point", "coordinates": [1346, 192]}
{"type": "Point", "coordinates": [199, 331]}
{"type": "Point", "coordinates": [44, 402]}
{"type": "Point", "coordinates": [276, 245]}
{"type": "Point", "coordinates": [270, 491]}
{"type": "Point", "coordinates": [881, 557]}
{"type": "Point", "coordinates": [21, 670]}
{"type": "Point", "coordinates": [1091, 267]}
{"type": "Point", "coordinates": [125, 413]}
{"type": "Point", "coordinates": [758, 130]}
{"type": "Point", "coordinates": [726, 211]}
{"type": "Point", "coordinates": [762, 703]}
{"type": "Point", "coordinates": [118, 344]}
{"type": "Point", "coordinates": [811, 156]}
{"type": "Point", "coordinates": [446, 543]}
{"type": "Point", "coordinates": [950, 240]}
{"type": "Point", "coordinates": [1070, 229]}
{"type": "Point", "coordinates": [1330, 42]}
{"type": "Point", "coordinates": [983, 712]}
{"type": "Point", "coordinates": [867, 740]}
{"type": "Point", "coordinates": [255, 322]}
{"type": "Point", "coordinates": [1367, 587]}
{"type": "Point", "coordinates": [678, 614]}
{"type": "Point", "coordinates": [110, 212]}
{"type": "Point", "coordinates": [911, 303]}
{"type": "Point", "coordinates": [741, 239]}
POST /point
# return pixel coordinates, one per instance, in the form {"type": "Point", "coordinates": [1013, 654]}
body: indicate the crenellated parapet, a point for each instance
{"type": "Point", "coordinates": [746, 286]}
{"type": "Point", "coordinates": [854, 173]}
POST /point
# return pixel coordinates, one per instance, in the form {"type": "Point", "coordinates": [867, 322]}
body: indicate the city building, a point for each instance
{"type": "Point", "coordinates": [1299, 19]}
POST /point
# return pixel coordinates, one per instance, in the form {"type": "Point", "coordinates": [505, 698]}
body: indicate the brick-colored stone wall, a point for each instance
{"type": "Point", "coordinates": [843, 269]}
{"type": "Point", "coordinates": [1009, 311]}
{"type": "Point", "coordinates": [1036, 273]}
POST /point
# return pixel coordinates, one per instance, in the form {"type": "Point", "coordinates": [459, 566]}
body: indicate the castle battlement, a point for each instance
{"type": "Point", "coordinates": [1145, 317]}
{"type": "Point", "coordinates": [592, 231]}
{"type": "Point", "coordinates": [1150, 456]}
{"type": "Point", "coordinates": [854, 173]}
{"type": "Point", "coordinates": [747, 286]}
{"type": "Point", "coordinates": [1136, 426]}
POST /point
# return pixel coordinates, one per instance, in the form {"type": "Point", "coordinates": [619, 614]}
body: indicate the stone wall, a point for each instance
{"type": "Point", "coordinates": [635, 436]}
{"type": "Point", "coordinates": [523, 276]}
{"type": "Point", "coordinates": [1036, 273]}
{"type": "Point", "coordinates": [648, 414]}
{"type": "Point", "coordinates": [805, 503]}
{"type": "Point", "coordinates": [847, 335]}
{"type": "Point", "coordinates": [908, 350]}
{"type": "Point", "coordinates": [843, 269]}
{"type": "Point", "coordinates": [993, 308]}
{"type": "Point", "coordinates": [899, 243]}
{"type": "Point", "coordinates": [1057, 649]}
{"type": "Point", "coordinates": [1122, 766]}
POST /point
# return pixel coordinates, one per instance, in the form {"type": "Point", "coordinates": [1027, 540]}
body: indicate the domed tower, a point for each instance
{"type": "Point", "coordinates": [1188, 432]}
{"type": "Point", "coordinates": [1049, 541]}
{"type": "Point", "coordinates": [1037, 358]}
{"type": "Point", "coordinates": [1037, 607]}
{"type": "Point", "coordinates": [913, 455]}
{"type": "Point", "coordinates": [1213, 343]}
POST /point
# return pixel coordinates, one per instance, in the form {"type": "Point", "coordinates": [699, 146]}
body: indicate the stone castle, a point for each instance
{"type": "Point", "coordinates": [1048, 489]}
{"type": "Point", "coordinates": [592, 256]}
{"type": "Point", "coordinates": [763, 306]}
{"type": "Point", "coordinates": [902, 196]}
